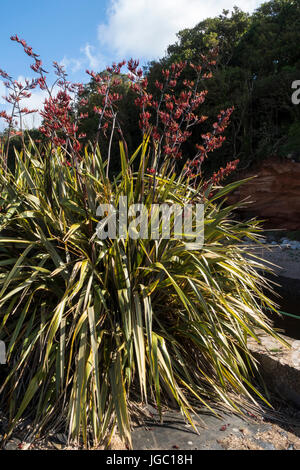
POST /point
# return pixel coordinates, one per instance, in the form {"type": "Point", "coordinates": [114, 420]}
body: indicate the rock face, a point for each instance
{"type": "Point", "coordinates": [274, 194]}
{"type": "Point", "coordinates": [279, 366]}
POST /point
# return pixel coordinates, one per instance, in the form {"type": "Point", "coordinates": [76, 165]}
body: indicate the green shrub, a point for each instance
{"type": "Point", "coordinates": [93, 325]}
{"type": "Point", "coordinates": [90, 324]}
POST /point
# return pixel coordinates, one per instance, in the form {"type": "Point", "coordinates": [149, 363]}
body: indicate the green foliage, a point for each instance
{"type": "Point", "coordinates": [127, 116]}
{"type": "Point", "coordinates": [92, 325]}
{"type": "Point", "coordinates": [258, 62]}
{"type": "Point", "coordinates": [16, 142]}
{"type": "Point", "coordinates": [223, 31]}
{"type": "Point", "coordinates": [291, 148]}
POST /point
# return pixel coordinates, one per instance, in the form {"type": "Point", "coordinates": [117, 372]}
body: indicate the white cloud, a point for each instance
{"type": "Point", "coordinates": [88, 59]}
{"type": "Point", "coordinates": [145, 28]}
{"type": "Point", "coordinates": [2, 92]}
{"type": "Point", "coordinates": [73, 64]}
{"type": "Point", "coordinates": [36, 101]}
{"type": "Point", "coordinates": [94, 62]}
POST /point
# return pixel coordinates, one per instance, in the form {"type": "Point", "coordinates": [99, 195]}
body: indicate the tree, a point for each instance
{"type": "Point", "coordinates": [257, 63]}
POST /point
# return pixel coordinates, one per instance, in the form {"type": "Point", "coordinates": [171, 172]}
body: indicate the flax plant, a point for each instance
{"type": "Point", "coordinates": [93, 326]}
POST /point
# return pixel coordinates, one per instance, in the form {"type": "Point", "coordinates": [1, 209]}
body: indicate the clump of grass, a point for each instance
{"type": "Point", "coordinates": [91, 325]}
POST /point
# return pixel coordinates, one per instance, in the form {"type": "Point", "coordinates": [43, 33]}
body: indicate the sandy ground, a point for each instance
{"type": "Point", "coordinates": [259, 429]}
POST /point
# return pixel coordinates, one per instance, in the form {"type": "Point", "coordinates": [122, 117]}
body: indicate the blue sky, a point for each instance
{"type": "Point", "coordinates": [55, 29]}
{"type": "Point", "coordinates": [91, 34]}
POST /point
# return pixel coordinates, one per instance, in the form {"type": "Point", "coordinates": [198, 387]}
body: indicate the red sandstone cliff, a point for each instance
{"type": "Point", "coordinates": [275, 193]}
